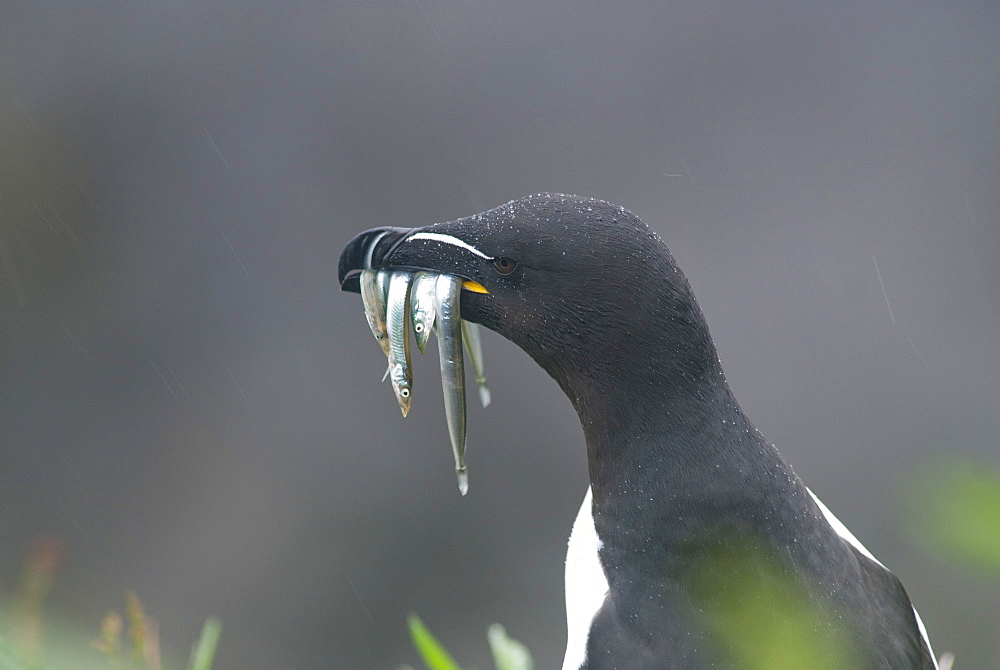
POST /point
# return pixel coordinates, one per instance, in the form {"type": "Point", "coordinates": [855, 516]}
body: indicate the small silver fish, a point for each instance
{"type": "Point", "coordinates": [382, 282]}
{"type": "Point", "coordinates": [422, 307]}
{"type": "Point", "coordinates": [397, 324]}
{"type": "Point", "coordinates": [374, 302]}
{"type": "Point", "coordinates": [474, 345]}
{"type": "Point", "coordinates": [449, 337]}
{"type": "Point", "coordinates": [382, 285]}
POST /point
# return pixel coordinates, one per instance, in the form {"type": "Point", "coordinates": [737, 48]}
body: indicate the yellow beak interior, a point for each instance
{"type": "Point", "coordinates": [475, 287]}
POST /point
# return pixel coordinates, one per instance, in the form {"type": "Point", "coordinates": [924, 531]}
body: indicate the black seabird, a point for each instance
{"type": "Point", "coordinates": [677, 471]}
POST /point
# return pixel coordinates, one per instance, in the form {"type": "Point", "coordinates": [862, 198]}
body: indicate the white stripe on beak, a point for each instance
{"type": "Point", "coordinates": [448, 239]}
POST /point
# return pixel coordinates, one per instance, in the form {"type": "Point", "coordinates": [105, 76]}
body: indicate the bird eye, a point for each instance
{"type": "Point", "coordinates": [504, 265]}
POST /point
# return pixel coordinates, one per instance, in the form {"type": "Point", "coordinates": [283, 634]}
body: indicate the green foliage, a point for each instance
{"type": "Point", "coordinates": [508, 653]}
{"type": "Point", "coordinates": [433, 654]}
{"type": "Point", "coordinates": [203, 652]}
{"type": "Point", "coordinates": [953, 510]}
{"type": "Point", "coordinates": [127, 643]}
{"type": "Point", "coordinates": [145, 648]}
{"type": "Point", "coordinates": [760, 617]}
{"type": "Point", "coordinates": [10, 658]}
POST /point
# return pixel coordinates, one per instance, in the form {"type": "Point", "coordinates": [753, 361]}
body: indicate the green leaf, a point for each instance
{"type": "Point", "coordinates": [433, 654]}
{"type": "Point", "coordinates": [954, 511]}
{"type": "Point", "coordinates": [759, 616]}
{"type": "Point", "coordinates": [508, 653]}
{"type": "Point", "coordinates": [203, 652]}
{"type": "Point", "coordinates": [10, 659]}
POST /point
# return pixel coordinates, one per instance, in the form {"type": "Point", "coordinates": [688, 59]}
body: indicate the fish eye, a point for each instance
{"type": "Point", "coordinates": [504, 265]}
{"type": "Point", "coordinates": [405, 393]}
{"type": "Point", "coordinates": [419, 328]}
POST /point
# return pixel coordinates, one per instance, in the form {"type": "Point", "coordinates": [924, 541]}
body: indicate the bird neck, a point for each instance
{"type": "Point", "coordinates": [671, 455]}
{"type": "Point", "coordinates": [657, 395]}
{"type": "Point", "coordinates": [669, 433]}
{"type": "Point", "coordinates": [670, 452]}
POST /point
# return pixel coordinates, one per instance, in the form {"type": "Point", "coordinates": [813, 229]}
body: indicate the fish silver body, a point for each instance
{"type": "Point", "coordinates": [397, 324]}
{"type": "Point", "coordinates": [382, 286]}
{"type": "Point", "coordinates": [449, 336]}
{"type": "Point", "coordinates": [423, 309]}
{"type": "Point", "coordinates": [382, 282]}
{"type": "Point", "coordinates": [474, 345]}
{"type": "Point", "coordinates": [373, 298]}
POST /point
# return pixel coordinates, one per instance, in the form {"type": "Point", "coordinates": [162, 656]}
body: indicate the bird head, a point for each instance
{"type": "Point", "coordinates": [582, 285]}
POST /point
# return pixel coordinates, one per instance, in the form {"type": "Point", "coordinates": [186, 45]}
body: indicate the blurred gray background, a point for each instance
{"type": "Point", "coordinates": [189, 402]}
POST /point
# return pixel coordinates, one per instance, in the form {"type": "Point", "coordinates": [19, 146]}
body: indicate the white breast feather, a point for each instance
{"type": "Point", "coordinates": [586, 585]}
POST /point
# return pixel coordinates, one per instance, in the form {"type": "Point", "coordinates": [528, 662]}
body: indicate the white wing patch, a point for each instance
{"type": "Point", "coordinates": [841, 529]}
{"type": "Point", "coordinates": [586, 585]}
{"type": "Point", "coordinates": [923, 633]}
{"type": "Point", "coordinates": [848, 536]}
{"type": "Point", "coordinates": [449, 239]}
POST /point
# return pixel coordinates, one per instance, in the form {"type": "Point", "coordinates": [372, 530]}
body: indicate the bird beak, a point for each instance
{"type": "Point", "coordinates": [367, 251]}
{"type": "Point", "coordinates": [474, 286]}
{"type": "Point", "coordinates": [373, 250]}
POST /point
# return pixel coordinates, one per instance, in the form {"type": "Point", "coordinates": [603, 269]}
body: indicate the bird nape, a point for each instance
{"type": "Point", "coordinates": [696, 546]}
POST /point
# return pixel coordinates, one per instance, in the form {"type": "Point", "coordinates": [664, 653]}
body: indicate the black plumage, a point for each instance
{"type": "Point", "coordinates": [677, 470]}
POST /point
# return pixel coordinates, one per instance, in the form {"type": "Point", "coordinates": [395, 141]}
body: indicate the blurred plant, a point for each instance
{"type": "Point", "coordinates": [760, 617]}
{"type": "Point", "coordinates": [203, 652]}
{"type": "Point", "coordinates": [508, 653]}
{"type": "Point", "coordinates": [141, 629]}
{"type": "Point", "coordinates": [23, 643]}
{"type": "Point", "coordinates": [145, 637]}
{"type": "Point", "coordinates": [108, 641]}
{"type": "Point", "coordinates": [953, 511]}
{"type": "Point", "coordinates": [45, 557]}
{"type": "Point", "coordinates": [434, 655]}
